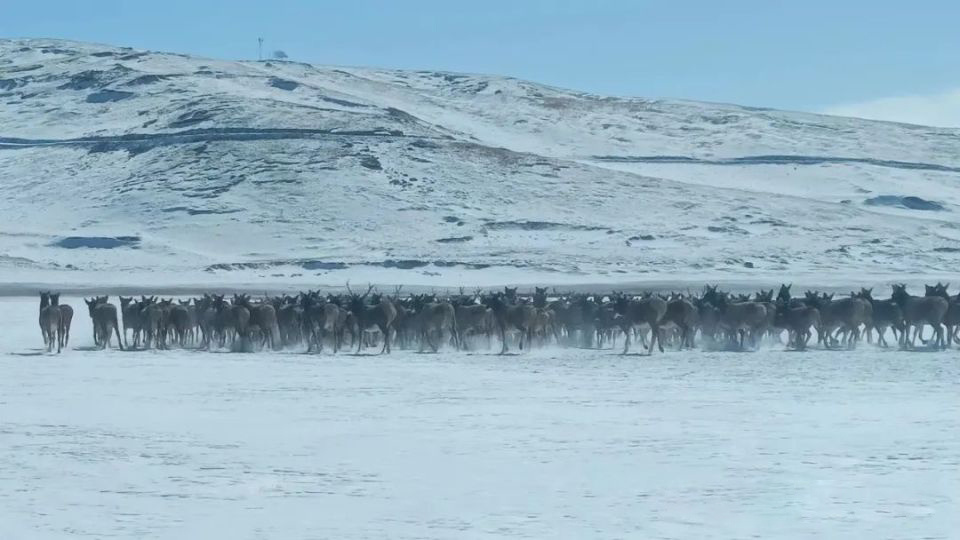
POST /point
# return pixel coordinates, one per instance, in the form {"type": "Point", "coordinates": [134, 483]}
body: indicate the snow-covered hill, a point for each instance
{"type": "Point", "coordinates": [198, 171]}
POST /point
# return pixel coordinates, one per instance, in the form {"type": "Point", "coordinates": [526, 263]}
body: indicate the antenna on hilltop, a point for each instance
{"type": "Point", "coordinates": [259, 48]}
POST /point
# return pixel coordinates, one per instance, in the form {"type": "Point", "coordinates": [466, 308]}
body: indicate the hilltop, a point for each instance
{"type": "Point", "coordinates": [122, 166]}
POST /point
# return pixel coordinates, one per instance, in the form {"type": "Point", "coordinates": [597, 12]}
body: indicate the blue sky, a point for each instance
{"type": "Point", "coordinates": [860, 57]}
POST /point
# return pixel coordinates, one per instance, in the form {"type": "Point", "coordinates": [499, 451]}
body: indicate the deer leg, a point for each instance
{"type": "Point", "coordinates": [462, 343]}
{"type": "Point", "coordinates": [654, 338]}
{"type": "Point", "coordinates": [310, 338]}
{"type": "Point", "coordinates": [503, 337]}
{"type": "Point", "coordinates": [428, 337]}
{"type": "Point", "coordinates": [116, 328]}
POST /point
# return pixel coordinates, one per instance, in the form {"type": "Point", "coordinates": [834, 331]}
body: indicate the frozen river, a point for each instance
{"type": "Point", "coordinates": [549, 444]}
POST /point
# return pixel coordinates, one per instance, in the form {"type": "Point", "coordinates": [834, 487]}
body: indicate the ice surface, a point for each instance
{"type": "Point", "coordinates": [548, 444]}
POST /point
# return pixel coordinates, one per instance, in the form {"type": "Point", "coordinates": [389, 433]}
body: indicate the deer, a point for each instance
{"type": "Point", "coordinates": [741, 319]}
{"type": "Point", "coordinates": [206, 320]}
{"type": "Point", "coordinates": [180, 322]}
{"type": "Point", "coordinates": [886, 314]}
{"type": "Point", "coordinates": [545, 322]}
{"type": "Point", "coordinates": [844, 315]}
{"type": "Point", "coordinates": [380, 315]}
{"type": "Point", "coordinates": [49, 322]}
{"type": "Point", "coordinates": [104, 317]}
{"type": "Point", "coordinates": [320, 319]}
{"type": "Point", "coordinates": [951, 319]}
{"type": "Point", "coordinates": [472, 318]}
{"type": "Point", "coordinates": [238, 316]}
{"type": "Point", "coordinates": [684, 315]}
{"type": "Point", "coordinates": [798, 322]}
{"type": "Point", "coordinates": [290, 314]}
{"type": "Point", "coordinates": [917, 311]}
{"type": "Point", "coordinates": [155, 319]}
{"type": "Point", "coordinates": [130, 313]}
{"type": "Point", "coordinates": [66, 319]}
{"type": "Point", "coordinates": [264, 315]}
{"type": "Point", "coordinates": [648, 311]}
{"type": "Point", "coordinates": [432, 319]}
{"type": "Point", "coordinates": [509, 315]}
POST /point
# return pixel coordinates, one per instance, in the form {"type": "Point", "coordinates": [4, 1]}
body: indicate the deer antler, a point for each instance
{"type": "Point", "coordinates": [349, 290]}
{"type": "Point", "coordinates": [370, 288]}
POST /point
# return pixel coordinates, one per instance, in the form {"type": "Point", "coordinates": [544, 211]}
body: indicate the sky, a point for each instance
{"type": "Point", "coordinates": [883, 59]}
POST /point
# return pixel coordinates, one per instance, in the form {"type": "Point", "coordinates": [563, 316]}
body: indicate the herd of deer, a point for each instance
{"type": "Point", "coordinates": [312, 320]}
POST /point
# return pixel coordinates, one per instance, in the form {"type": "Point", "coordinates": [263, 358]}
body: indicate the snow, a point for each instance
{"type": "Point", "coordinates": [552, 443]}
{"type": "Point", "coordinates": [280, 176]}
{"type": "Point", "coordinates": [355, 173]}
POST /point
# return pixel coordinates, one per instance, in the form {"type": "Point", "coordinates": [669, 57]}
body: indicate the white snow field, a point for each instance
{"type": "Point", "coordinates": [198, 172]}
{"type": "Point", "coordinates": [547, 444]}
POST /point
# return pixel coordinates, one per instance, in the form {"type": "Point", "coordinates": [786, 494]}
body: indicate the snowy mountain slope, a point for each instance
{"type": "Point", "coordinates": [264, 172]}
